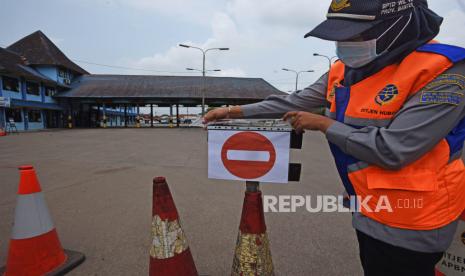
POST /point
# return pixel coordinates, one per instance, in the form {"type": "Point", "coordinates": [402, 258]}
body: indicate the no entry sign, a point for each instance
{"type": "Point", "coordinates": [248, 155]}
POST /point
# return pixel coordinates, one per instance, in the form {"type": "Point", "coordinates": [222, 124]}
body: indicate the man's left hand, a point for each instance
{"type": "Point", "coordinates": [301, 121]}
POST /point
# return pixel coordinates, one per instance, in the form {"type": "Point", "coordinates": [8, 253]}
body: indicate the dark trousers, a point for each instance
{"type": "Point", "coordinates": [382, 259]}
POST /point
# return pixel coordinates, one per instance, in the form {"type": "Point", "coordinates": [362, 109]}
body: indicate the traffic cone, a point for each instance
{"type": "Point", "coordinates": [169, 251]}
{"type": "Point", "coordinates": [34, 246]}
{"type": "Point", "coordinates": [452, 262]}
{"type": "Point", "coordinates": [252, 255]}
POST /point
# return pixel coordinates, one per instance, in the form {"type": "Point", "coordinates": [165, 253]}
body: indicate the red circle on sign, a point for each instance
{"type": "Point", "coordinates": [248, 141]}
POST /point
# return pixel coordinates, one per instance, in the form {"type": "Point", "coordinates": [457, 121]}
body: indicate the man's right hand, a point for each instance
{"type": "Point", "coordinates": [233, 112]}
{"type": "Point", "coordinates": [216, 114]}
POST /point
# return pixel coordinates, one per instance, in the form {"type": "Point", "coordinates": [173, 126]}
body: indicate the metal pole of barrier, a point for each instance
{"type": "Point", "coordinates": [252, 186]}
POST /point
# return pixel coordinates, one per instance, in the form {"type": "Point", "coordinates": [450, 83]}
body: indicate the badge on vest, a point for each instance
{"type": "Point", "coordinates": [441, 97]}
{"type": "Point", "coordinates": [387, 95]}
{"type": "Point", "coordinates": [445, 80]}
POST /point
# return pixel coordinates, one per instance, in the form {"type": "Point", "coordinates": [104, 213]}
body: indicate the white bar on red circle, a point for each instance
{"type": "Point", "coordinates": [248, 155]}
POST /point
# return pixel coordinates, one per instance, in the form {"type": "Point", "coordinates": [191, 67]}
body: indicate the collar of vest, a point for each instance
{"type": "Point", "coordinates": [453, 53]}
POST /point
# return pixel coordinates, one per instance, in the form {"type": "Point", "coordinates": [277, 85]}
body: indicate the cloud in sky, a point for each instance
{"type": "Point", "coordinates": [452, 28]}
{"type": "Point", "coordinates": [278, 13]}
{"type": "Point", "coordinates": [254, 31]}
{"type": "Point", "coordinates": [264, 36]}
{"type": "Point", "coordinates": [185, 10]}
{"type": "Point", "coordinates": [224, 34]}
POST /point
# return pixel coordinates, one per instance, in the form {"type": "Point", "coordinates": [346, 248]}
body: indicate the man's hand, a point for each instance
{"type": "Point", "coordinates": [223, 113]}
{"type": "Point", "coordinates": [301, 121]}
{"type": "Point", "coordinates": [216, 114]}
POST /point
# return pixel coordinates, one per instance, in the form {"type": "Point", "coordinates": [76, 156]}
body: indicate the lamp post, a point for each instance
{"type": "Point", "coordinates": [297, 73]}
{"type": "Point", "coordinates": [330, 59]}
{"type": "Point", "coordinates": [204, 53]}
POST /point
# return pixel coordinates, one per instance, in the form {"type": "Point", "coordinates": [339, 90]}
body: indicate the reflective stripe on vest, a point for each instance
{"type": "Point", "coordinates": [437, 180]}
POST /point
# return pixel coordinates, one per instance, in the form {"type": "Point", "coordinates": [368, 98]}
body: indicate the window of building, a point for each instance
{"type": "Point", "coordinates": [32, 88]}
{"type": "Point", "coordinates": [13, 114]}
{"type": "Point", "coordinates": [34, 116]}
{"type": "Point", "coordinates": [50, 91]}
{"type": "Point", "coordinates": [10, 84]}
{"type": "Point", "coordinates": [63, 73]}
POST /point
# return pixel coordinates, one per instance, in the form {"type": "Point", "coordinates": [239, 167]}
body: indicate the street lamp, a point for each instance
{"type": "Point", "coordinates": [297, 75]}
{"type": "Point", "coordinates": [330, 59]}
{"type": "Point", "coordinates": [204, 52]}
{"type": "Point", "coordinates": [203, 88]}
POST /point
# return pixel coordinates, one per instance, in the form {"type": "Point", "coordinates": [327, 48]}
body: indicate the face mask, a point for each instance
{"type": "Point", "coordinates": [356, 54]}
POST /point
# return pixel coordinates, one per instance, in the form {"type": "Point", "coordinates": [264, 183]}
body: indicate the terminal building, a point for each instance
{"type": "Point", "coordinates": [42, 88]}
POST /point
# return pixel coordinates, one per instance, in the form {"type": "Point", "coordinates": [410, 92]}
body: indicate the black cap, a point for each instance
{"type": "Point", "coordinates": [349, 18]}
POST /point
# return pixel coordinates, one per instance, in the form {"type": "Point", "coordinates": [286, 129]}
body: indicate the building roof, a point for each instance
{"type": "Point", "coordinates": [13, 64]}
{"type": "Point", "coordinates": [38, 49]}
{"type": "Point", "coordinates": [169, 87]}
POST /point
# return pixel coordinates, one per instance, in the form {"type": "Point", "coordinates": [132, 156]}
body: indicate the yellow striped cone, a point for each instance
{"type": "Point", "coordinates": [252, 256]}
{"type": "Point", "coordinates": [169, 252]}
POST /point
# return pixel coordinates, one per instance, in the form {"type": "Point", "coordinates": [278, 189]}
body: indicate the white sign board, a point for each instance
{"type": "Point", "coordinates": [248, 155]}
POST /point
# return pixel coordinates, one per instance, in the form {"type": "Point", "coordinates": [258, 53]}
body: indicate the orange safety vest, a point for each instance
{"type": "Point", "coordinates": [434, 185]}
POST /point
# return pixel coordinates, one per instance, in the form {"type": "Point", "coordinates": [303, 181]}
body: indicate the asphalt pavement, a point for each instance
{"type": "Point", "coordinates": [98, 187]}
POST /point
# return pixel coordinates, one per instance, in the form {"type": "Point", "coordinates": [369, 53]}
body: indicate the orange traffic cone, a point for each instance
{"type": "Point", "coordinates": [169, 251]}
{"type": "Point", "coordinates": [252, 255]}
{"type": "Point", "coordinates": [452, 261]}
{"type": "Point", "coordinates": [34, 246]}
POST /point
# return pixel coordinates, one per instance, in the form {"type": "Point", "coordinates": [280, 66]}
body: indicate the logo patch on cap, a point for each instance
{"type": "Point", "coordinates": [397, 6]}
{"type": "Point", "coordinates": [387, 95]}
{"type": "Point", "coordinates": [338, 5]}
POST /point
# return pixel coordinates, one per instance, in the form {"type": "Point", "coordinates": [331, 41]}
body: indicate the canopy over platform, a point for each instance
{"type": "Point", "coordinates": [168, 90]}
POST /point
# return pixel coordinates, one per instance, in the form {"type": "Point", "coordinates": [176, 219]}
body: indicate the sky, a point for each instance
{"type": "Point", "coordinates": [142, 36]}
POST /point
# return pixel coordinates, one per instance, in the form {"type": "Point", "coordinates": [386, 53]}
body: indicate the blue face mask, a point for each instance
{"type": "Point", "coordinates": [356, 54]}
